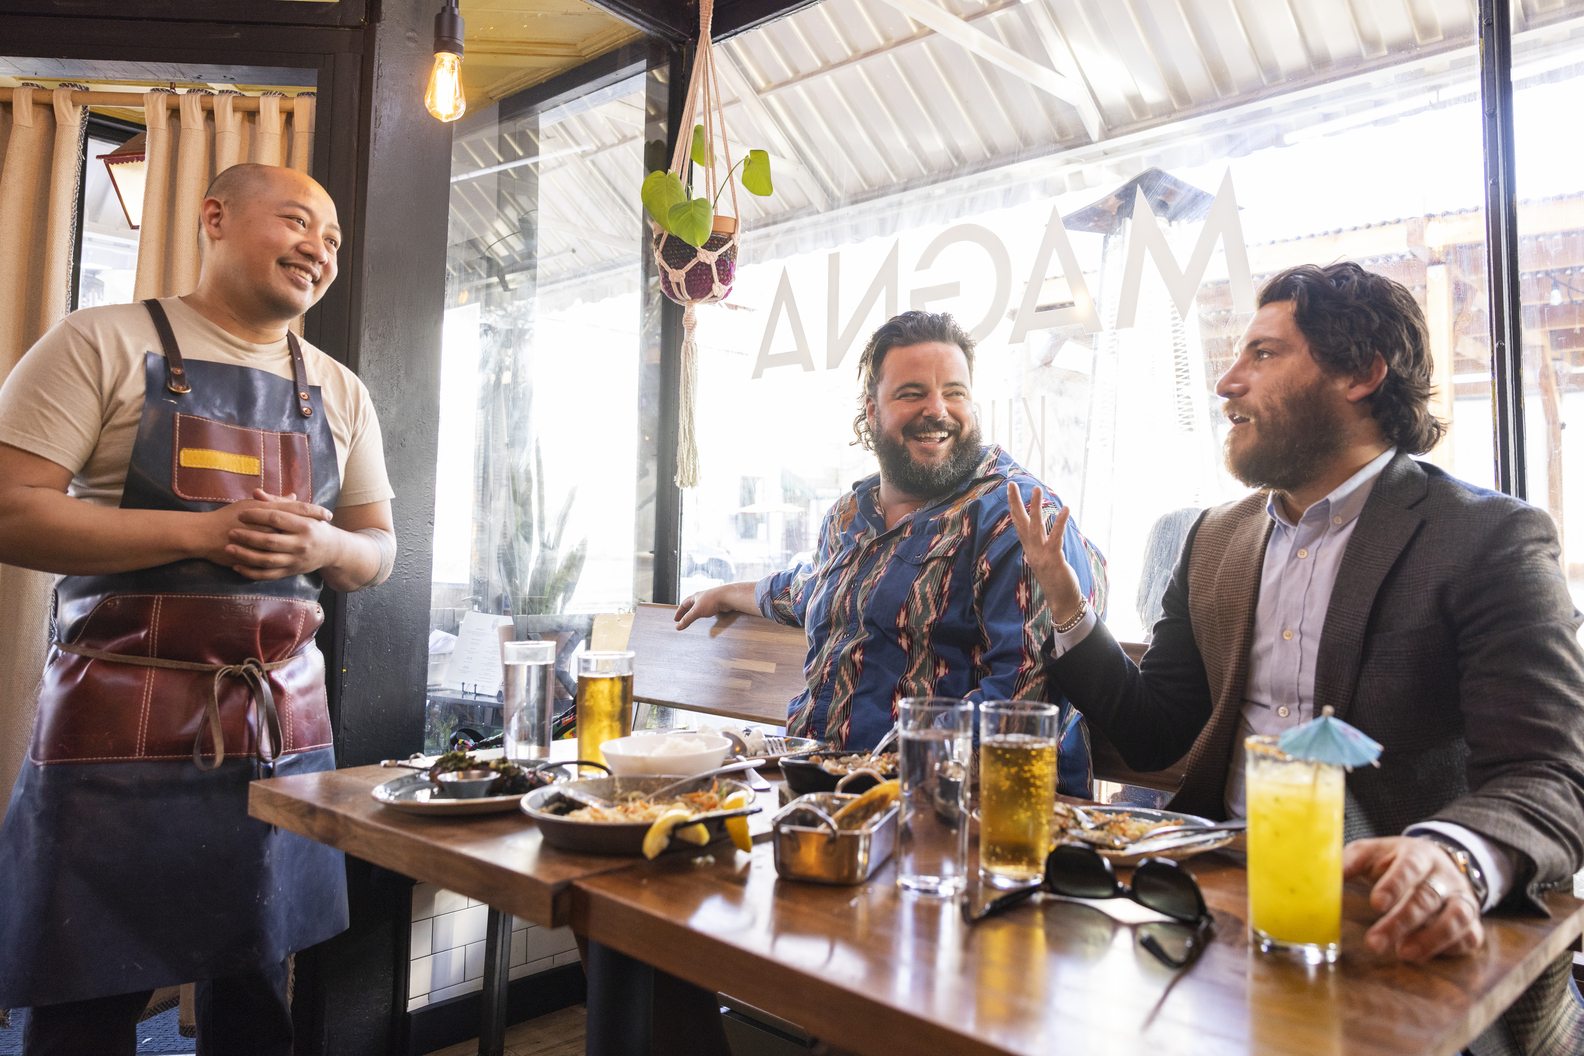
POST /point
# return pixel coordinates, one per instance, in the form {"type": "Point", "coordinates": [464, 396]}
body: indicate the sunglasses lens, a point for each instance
{"type": "Point", "coordinates": [1172, 943]}
{"type": "Point", "coordinates": [1169, 890]}
{"type": "Point", "coordinates": [1078, 872]}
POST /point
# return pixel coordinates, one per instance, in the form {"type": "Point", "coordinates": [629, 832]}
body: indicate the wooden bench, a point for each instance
{"type": "Point", "coordinates": [748, 668]}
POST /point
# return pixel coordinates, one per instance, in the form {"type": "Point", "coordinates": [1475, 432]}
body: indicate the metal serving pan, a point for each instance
{"type": "Point", "coordinates": [806, 848]}
{"type": "Point", "coordinates": [621, 838]}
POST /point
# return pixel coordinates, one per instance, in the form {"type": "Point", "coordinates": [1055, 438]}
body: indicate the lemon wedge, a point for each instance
{"type": "Point", "coordinates": [695, 833]}
{"type": "Point", "coordinates": [737, 828]}
{"type": "Point", "coordinates": [659, 834]}
{"type": "Point", "coordinates": [855, 812]}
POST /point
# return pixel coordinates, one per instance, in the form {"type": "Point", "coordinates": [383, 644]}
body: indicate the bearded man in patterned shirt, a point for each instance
{"type": "Point", "coordinates": [918, 587]}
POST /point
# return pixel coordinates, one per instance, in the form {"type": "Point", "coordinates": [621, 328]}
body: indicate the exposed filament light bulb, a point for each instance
{"type": "Point", "coordinates": [445, 98]}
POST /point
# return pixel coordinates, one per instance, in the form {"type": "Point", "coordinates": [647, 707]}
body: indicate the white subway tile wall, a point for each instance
{"type": "Point", "coordinates": [448, 946]}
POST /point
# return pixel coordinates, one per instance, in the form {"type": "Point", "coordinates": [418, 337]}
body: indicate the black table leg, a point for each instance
{"type": "Point", "coordinates": [497, 964]}
{"type": "Point", "coordinates": [620, 1003]}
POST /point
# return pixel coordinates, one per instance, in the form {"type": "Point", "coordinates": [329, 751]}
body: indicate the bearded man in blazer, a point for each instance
{"type": "Point", "coordinates": [1431, 614]}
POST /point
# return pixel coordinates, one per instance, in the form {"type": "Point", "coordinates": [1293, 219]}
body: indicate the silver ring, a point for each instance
{"type": "Point", "coordinates": [1436, 884]}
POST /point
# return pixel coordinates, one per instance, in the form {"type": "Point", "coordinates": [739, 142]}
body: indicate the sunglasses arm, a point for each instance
{"type": "Point", "coordinates": [1000, 904]}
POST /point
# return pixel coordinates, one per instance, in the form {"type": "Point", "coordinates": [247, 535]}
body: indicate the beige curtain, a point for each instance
{"type": "Point", "coordinates": [187, 147]}
{"type": "Point", "coordinates": [41, 144]}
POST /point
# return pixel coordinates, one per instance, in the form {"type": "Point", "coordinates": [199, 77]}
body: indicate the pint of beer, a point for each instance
{"type": "Point", "coordinates": [1017, 790]}
{"type": "Point", "coordinates": [604, 701]}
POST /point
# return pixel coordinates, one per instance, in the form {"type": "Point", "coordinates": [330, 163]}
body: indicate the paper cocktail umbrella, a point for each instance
{"type": "Point", "coordinates": [1330, 740]}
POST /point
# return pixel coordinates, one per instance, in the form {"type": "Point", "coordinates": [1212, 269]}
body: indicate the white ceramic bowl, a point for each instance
{"type": "Point", "coordinates": [665, 753]}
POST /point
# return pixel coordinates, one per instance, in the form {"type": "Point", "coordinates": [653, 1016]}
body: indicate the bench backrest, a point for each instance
{"type": "Point", "coordinates": [747, 667]}
{"type": "Point", "coordinates": [737, 665]}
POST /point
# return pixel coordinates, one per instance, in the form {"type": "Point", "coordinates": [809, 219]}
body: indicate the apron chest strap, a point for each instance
{"type": "Point", "coordinates": [176, 371]}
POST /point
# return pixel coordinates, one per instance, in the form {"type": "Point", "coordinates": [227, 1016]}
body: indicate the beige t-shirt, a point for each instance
{"type": "Point", "coordinates": [76, 397]}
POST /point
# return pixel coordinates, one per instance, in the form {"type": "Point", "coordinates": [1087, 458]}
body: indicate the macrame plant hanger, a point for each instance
{"type": "Point", "coordinates": [693, 276]}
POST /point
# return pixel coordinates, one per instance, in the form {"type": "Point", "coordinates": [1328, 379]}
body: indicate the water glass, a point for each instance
{"type": "Point", "coordinates": [935, 744]}
{"type": "Point", "coordinates": [1294, 852]}
{"type": "Point", "coordinates": [1017, 790]}
{"type": "Point", "coordinates": [528, 699]}
{"type": "Point", "coordinates": [604, 700]}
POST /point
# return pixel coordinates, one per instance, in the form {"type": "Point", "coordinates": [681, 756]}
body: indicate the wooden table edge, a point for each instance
{"type": "Point", "coordinates": [1492, 1006]}
{"type": "Point", "coordinates": [716, 964]}
{"type": "Point", "coordinates": [719, 966]}
{"type": "Point", "coordinates": [357, 836]}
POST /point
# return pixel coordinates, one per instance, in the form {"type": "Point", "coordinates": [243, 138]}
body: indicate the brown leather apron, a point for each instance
{"type": "Point", "coordinates": [127, 850]}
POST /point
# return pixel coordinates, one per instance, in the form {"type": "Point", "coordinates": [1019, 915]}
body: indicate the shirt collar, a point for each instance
{"type": "Point", "coordinates": [1343, 504]}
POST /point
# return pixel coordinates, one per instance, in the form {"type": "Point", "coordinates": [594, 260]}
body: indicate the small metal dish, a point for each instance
{"type": "Point", "coordinates": [804, 774]}
{"type": "Point", "coordinates": [809, 847]}
{"type": "Point", "coordinates": [465, 784]}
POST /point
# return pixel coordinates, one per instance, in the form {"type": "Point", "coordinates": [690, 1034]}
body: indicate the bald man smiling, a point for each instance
{"type": "Point", "coordinates": [195, 474]}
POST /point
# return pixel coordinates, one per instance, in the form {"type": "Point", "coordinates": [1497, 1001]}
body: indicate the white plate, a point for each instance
{"type": "Point", "coordinates": [1126, 856]}
{"type": "Point", "coordinates": [413, 794]}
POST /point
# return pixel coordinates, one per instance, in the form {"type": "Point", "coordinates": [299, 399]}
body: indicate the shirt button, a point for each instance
{"type": "Point", "coordinates": [1336, 520]}
{"type": "Point", "coordinates": [1287, 635]}
{"type": "Point", "coordinates": [1302, 554]}
{"type": "Point", "coordinates": [1284, 711]}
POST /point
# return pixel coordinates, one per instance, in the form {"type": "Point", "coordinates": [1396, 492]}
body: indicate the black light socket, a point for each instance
{"type": "Point", "coordinates": [448, 30]}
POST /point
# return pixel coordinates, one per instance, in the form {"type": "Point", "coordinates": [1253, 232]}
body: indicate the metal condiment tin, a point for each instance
{"type": "Point", "coordinates": [809, 849]}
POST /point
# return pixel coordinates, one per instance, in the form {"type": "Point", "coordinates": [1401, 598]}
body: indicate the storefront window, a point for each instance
{"type": "Point", "coordinates": [1548, 79]}
{"type": "Point", "coordinates": [534, 508]}
{"type": "Point", "coordinates": [1101, 331]}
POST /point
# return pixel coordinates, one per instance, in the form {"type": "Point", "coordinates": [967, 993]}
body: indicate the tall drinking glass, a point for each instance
{"type": "Point", "coordinates": [528, 699]}
{"type": "Point", "coordinates": [604, 700]}
{"type": "Point", "coordinates": [1017, 790]}
{"type": "Point", "coordinates": [935, 742]}
{"type": "Point", "coordinates": [1294, 852]}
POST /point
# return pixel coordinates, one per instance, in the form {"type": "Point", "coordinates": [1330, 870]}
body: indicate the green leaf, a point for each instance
{"type": "Point", "coordinates": [701, 151]}
{"type": "Point", "coordinates": [662, 191]}
{"type": "Point", "coordinates": [690, 221]}
{"type": "Point", "coordinates": [756, 174]}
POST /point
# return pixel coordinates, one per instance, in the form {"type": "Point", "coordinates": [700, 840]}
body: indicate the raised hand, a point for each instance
{"type": "Point", "coordinates": [1042, 551]}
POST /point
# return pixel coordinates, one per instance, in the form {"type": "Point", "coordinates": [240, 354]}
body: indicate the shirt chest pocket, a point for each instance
{"type": "Point", "coordinates": [215, 462]}
{"type": "Point", "coordinates": [929, 565]}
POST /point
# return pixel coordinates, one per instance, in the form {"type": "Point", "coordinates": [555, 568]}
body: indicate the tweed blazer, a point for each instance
{"type": "Point", "coordinates": [1450, 638]}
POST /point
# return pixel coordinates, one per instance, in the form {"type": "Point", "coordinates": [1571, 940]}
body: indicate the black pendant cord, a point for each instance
{"type": "Point", "coordinates": [1501, 241]}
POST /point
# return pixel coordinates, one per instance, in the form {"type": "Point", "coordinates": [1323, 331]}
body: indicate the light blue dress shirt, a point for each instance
{"type": "Point", "coordinates": [1301, 565]}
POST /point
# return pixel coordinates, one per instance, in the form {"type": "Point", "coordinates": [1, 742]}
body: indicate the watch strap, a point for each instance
{"type": "Point", "coordinates": [1464, 861]}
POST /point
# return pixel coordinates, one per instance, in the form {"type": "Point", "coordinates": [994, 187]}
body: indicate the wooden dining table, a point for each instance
{"type": "Point", "coordinates": [874, 971]}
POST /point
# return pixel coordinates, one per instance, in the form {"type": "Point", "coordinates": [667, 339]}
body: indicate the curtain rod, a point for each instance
{"type": "Point", "coordinates": [243, 103]}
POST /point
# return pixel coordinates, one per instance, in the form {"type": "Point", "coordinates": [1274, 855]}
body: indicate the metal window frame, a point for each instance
{"type": "Point", "coordinates": [1501, 246]}
{"type": "Point", "coordinates": [665, 49]}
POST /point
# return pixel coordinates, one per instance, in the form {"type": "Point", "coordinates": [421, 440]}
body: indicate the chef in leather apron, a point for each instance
{"type": "Point", "coordinates": [127, 858]}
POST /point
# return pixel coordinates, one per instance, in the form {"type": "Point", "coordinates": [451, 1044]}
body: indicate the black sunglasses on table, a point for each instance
{"type": "Point", "coordinates": [1079, 871]}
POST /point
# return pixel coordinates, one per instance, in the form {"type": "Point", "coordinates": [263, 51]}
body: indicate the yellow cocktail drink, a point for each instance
{"type": "Point", "coordinates": [1294, 851]}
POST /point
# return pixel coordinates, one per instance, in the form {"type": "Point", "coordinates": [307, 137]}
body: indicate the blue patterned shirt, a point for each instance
{"type": "Point", "coordinates": [940, 605]}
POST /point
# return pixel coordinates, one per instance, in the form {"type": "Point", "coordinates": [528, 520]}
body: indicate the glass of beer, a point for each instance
{"type": "Point", "coordinates": [528, 699]}
{"type": "Point", "coordinates": [1294, 852]}
{"type": "Point", "coordinates": [1017, 790]}
{"type": "Point", "coordinates": [604, 701]}
{"type": "Point", "coordinates": [935, 743]}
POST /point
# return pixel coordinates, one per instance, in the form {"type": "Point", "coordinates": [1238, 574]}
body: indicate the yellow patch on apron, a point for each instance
{"type": "Point", "coordinates": [225, 461]}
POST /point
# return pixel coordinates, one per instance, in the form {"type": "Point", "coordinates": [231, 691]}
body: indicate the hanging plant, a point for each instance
{"type": "Point", "coordinates": [696, 247]}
